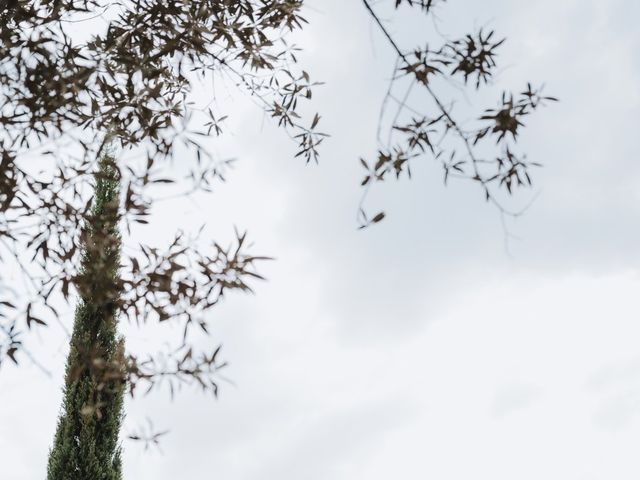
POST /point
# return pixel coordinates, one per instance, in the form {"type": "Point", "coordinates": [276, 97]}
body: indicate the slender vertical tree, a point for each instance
{"type": "Point", "coordinates": [86, 444]}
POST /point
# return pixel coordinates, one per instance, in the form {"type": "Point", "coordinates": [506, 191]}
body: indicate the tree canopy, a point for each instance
{"type": "Point", "coordinates": [64, 99]}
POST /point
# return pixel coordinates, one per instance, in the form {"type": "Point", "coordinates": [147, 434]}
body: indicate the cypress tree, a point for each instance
{"type": "Point", "coordinates": [86, 445]}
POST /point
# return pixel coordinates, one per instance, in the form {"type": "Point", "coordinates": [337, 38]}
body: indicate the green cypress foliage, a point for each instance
{"type": "Point", "coordinates": [86, 445]}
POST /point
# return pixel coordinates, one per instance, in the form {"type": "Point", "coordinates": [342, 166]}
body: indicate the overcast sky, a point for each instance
{"type": "Point", "coordinates": [425, 347]}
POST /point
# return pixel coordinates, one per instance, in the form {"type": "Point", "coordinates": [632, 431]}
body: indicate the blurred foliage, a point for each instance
{"type": "Point", "coordinates": [439, 134]}
{"type": "Point", "coordinates": [127, 87]}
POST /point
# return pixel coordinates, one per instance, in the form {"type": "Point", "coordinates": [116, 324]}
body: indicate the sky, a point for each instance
{"type": "Point", "coordinates": [434, 345]}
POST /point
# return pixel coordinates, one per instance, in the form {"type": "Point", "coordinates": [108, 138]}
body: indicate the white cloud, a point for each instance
{"type": "Point", "coordinates": [418, 348]}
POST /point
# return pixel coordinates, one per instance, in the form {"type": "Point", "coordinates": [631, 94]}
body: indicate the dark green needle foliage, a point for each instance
{"type": "Point", "coordinates": [86, 445]}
